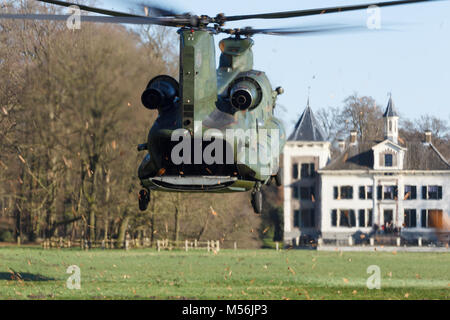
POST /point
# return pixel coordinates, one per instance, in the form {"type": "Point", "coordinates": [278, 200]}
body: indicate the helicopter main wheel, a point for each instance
{"type": "Point", "coordinates": [144, 199]}
{"type": "Point", "coordinates": [279, 177]}
{"type": "Point", "coordinates": [257, 201]}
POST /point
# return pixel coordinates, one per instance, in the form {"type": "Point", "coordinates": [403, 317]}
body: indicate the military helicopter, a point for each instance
{"type": "Point", "coordinates": [196, 114]}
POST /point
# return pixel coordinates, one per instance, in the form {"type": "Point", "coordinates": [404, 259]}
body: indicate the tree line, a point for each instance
{"type": "Point", "coordinates": [365, 115]}
{"type": "Point", "coordinates": [70, 121]}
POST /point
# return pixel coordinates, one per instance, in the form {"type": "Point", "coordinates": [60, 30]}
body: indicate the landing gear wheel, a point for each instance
{"type": "Point", "coordinates": [144, 199]}
{"type": "Point", "coordinates": [257, 201]}
{"type": "Point", "coordinates": [279, 177]}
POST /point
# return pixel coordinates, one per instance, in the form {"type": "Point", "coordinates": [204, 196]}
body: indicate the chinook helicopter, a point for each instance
{"type": "Point", "coordinates": [196, 114]}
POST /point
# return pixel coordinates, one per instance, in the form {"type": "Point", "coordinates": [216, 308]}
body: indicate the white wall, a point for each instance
{"type": "Point", "coordinates": [293, 149]}
{"type": "Point", "coordinates": [360, 178]}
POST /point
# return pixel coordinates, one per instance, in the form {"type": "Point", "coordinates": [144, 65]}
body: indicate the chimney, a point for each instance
{"type": "Point", "coordinates": [353, 137]}
{"type": "Point", "coordinates": [341, 144]}
{"type": "Point", "coordinates": [428, 137]}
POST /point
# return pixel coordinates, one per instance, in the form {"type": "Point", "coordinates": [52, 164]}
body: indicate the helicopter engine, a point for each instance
{"type": "Point", "coordinates": [245, 94]}
{"type": "Point", "coordinates": [247, 91]}
{"type": "Point", "coordinates": [161, 93]}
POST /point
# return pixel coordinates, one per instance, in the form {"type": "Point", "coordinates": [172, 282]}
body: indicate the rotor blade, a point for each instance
{"type": "Point", "coordinates": [170, 22]}
{"type": "Point", "coordinates": [300, 30]}
{"type": "Point", "coordinates": [312, 12]}
{"type": "Point", "coordinates": [90, 9]}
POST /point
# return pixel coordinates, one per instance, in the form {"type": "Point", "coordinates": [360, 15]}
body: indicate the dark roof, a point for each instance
{"type": "Point", "coordinates": [390, 110]}
{"type": "Point", "coordinates": [355, 157]}
{"type": "Point", "coordinates": [418, 156]}
{"type": "Point", "coordinates": [307, 128]}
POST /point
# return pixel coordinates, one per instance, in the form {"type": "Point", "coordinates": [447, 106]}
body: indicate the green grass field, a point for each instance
{"type": "Point", "coordinates": [242, 274]}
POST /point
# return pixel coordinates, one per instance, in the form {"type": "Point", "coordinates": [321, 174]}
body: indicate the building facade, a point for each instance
{"type": "Point", "coordinates": [387, 186]}
{"type": "Point", "coordinates": [305, 152]}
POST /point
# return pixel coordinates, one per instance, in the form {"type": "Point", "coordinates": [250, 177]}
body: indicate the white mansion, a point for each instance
{"type": "Point", "coordinates": [380, 185]}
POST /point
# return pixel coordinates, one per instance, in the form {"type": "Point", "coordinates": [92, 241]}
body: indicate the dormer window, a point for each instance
{"type": "Point", "coordinates": [388, 160]}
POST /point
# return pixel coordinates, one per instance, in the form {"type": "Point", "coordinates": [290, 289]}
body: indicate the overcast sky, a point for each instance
{"type": "Point", "coordinates": [409, 56]}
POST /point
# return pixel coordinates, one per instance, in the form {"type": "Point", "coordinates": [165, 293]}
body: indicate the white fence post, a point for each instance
{"type": "Point", "coordinates": [320, 242]}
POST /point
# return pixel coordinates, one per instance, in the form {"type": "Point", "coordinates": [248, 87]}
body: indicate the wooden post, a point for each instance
{"type": "Point", "coordinates": [218, 245]}
{"type": "Point", "coordinates": [208, 246]}
{"type": "Point", "coordinates": [320, 242]}
{"type": "Point", "coordinates": [186, 244]}
{"type": "Point", "coordinates": [127, 244]}
{"type": "Point", "coordinates": [419, 241]}
{"type": "Point", "coordinates": [398, 241]}
{"type": "Point", "coordinates": [103, 244]}
{"type": "Point", "coordinates": [297, 241]}
{"type": "Point", "coordinates": [372, 241]}
{"type": "Point", "coordinates": [158, 245]}
{"type": "Point", "coordinates": [195, 243]}
{"type": "Point", "coordinates": [235, 245]}
{"type": "Point", "coordinates": [350, 241]}
{"type": "Point", "coordinates": [277, 246]}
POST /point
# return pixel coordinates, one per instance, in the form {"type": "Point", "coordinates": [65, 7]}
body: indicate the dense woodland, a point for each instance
{"type": "Point", "coordinates": [70, 120]}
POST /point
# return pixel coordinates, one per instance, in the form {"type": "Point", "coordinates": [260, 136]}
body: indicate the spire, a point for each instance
{"type": "Point", "coordinates": [390, 110]}
{"type": "Point", "coordinates": [391, 122]}
{"type": "Point", "coordinates": [307, 127]}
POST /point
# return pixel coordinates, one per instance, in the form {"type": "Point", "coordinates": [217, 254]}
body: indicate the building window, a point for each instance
{"type": "Point", "coordinates": [308, 170]}
{"type": "Point", "coordinates": [365, 192]}
{"type": "Point", "coordinates": [369, 192]}
{"type": "Point", "coordinates": [432, 219]}
{"type": "Point", "coordinates": [362, 193]}
{"type": "Point", "coordinates": [295, 171]}
{"type": "Point", "coordinates": [307, 218]}
{"type": "Point", "coordinates": [388, 217]}
{"type": "Point", "coordinates": [344, 192]}
{"type": "Point", "coordinates": [432, 192]}
{"type": "Point", "coordinates": [295, 192]}
{"type": "Point", "coordinates": [334, 218]}
{"type": "Point", "coordinates": [365, 218]}
{"type": "Point", "coordinates": [369, 218]}
{"type": "Point", "coordinates": [410, 219]}
{"type": "Point", "coordinates": [307, 193]}
{"type": "Point", "coordinates": [296, 218]}
{"type": "Point", "coordinates": [336, 193]}
{"type": "Point", "coordinates": [362, 218]}
{"type": "Point", "coordinates": [410, 193]}
{"type": "Point", "coordinates": [387, 192]}
{"type": "Point", "coordinates": [347, 218]}
{"type": "Point", "coordinates": [388, 160]}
